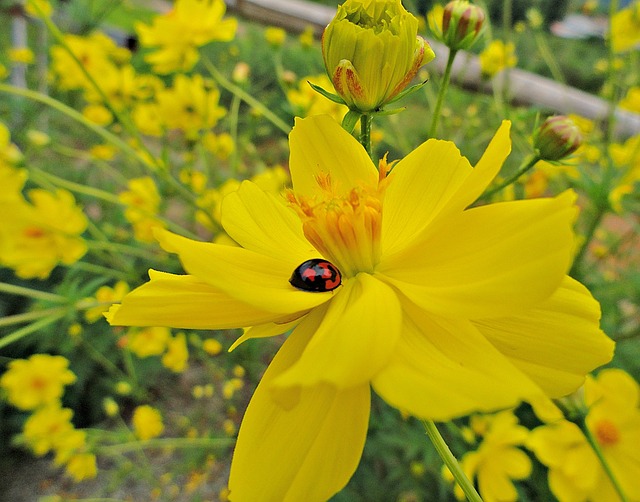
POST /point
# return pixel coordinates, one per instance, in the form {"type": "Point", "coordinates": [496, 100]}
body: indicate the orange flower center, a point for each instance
{"type": "Point", "coordinates": [345, 228]}
{"type": "Point", "coordinates": [33, 232]}
{"type": "Point", "coordinates": [38, 383]}
{"type": "Point", "coordinates": [606, 433]}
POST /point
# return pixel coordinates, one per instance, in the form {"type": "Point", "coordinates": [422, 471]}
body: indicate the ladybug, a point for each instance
{"type": "Point", "coordinates": [316, 275]}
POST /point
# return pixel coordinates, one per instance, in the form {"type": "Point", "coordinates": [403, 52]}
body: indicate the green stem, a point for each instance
{"type": "Point", "coordinates": [365, 133]}
{"type": "Point", "coordinates": [547, 56]}
{"type": "Point", "coordinates": [611, 56]}
{"type": "Point", "coordinates": [246, 97]}
{"type": "Point", "coordinates": [12, 289]}
{"type": "Point", "coordinates": [30, 316]}
{"type": "Point", "coordinates": [450, 461]}
{"type": "Point", "coordinates": [119, 449]}
{"type": "Point", "coordinates": [122, 248]}
{"type": "Point", "coordinates": [122, 119]}
{"type": "Point", "coordinates": [27, 330]}
{"type": "Point", "coordinates": [100, 270]}
{"type": "Point", "coordinates": [526, 166]}
{"type": "Point", "coordinates": [441, 93]}
{"type": "Point", "coordinates": [78, 117]}
{"type": "Point", "coordinates": [582, 423]}
{"type": "Point", "coordinates": [601, 211]}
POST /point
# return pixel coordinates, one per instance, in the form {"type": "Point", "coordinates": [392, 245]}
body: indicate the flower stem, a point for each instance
{"type": "Point", "coordinates": [526, 166]}
{"type": "Point", "coordinates": [441, 93]}
{"type": "Point", "coordinates": [30, 316]}
{"type": "Point", "coordinates": [582, 423]}
{"type": "Point", "coordinates": [119, 449]}
{"type": "Point", "coordinates": [78, 117]}
{"type": "Point", "coordinates": [27, 330]}
{"type": "Point", "coordinates": [365, 133]}
{"type": "Point", "coordinates": [12, 289]}
{"type": "Point", "coordinates": [450, 461]}
{"type": "Point", "coordinates": [246, 97]}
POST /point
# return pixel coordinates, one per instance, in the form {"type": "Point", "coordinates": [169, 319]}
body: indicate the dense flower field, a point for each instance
{"type": "Point", "coordinates": [241, 264]}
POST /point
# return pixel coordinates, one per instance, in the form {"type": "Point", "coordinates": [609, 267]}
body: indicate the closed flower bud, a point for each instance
{"type": "Point", "coordinates": [461, 24]}
{"type": "Point", "coordinates": [557, 138]}
{"type": "Point", "coordinates": [372, 51]}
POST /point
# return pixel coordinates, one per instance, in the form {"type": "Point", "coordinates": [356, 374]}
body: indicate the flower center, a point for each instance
{"type": "Point", "coordinates": [345, 228]}
{"type": "Point", "coordinates": [606, 433]}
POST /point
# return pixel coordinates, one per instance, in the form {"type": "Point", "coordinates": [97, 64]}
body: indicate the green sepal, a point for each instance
{"type": "Point", "coordinates": [350, 120]}
{"type": "Point", "coordinates": [407, 91]}
{"type": "Point", "coordinates": [329, 95]}
{"type": "Point", "coordinates": [388, 112]}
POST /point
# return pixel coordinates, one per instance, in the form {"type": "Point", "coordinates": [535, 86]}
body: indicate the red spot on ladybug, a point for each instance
{"type": "Point", "coordinates": [316, 275]}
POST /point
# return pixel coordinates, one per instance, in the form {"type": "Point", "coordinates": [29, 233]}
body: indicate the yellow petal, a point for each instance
{"type": "Point", "coordinates": [488, 261]}
{"type": "Point", "coordinates": [487, 167]}
{"type": "Point", "coordinates": [321, 148]}
{"type": "Point", "coordinates": [256, 279]}
{"type": "Point", "coordinates": [444, 368]}
{"type": "Point", "coordinates": [421, 186]}
{"type": "Point", "coordinates": [555, 343]}
{"type": "Point", "coordinates": [304, 452]}
{"type": "Point", "coordinates": [435, 180]}
{"type": "Point", "coordinates": [257, 221]}
{"type": "Point", "coordinates": [264, 331]}
{"type": "Point", "coordinates": [355, 339]}
{"type": "Point", "coordinates": [183, 301]}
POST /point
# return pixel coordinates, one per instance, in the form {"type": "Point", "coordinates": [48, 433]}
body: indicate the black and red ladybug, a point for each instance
{"type": "Point", "coordinates": [316, 275]}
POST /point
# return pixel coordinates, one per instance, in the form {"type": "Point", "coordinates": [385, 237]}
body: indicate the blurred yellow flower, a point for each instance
{"type": "Point", "coordinates": [37, 381]}
{"type": "Point", "coordinates": [220, 145]}
{"type": "Point", "coordinates": [275, 36]}
{"type": "Point", "coordinates": [22, 55]}
{"type": "Point", "coordinates": [148, 342]}
{"type": "Point", "coordinates": [631, 101]}
{"type": "Point", "coordinates": [147, 422]}
{"type": "Point", "coordinates": [190, 105]}
{"type": "Point", "coordinates": [103, 152]}
{"type": "Point", "coordinates": [496, 57]}
{"type": "Point", "coordinates": [47, 428]}
{"type": "Point", "coordinates": [575, 473]}
{"type": "Point", "coordinates": [307, 37]}
{"type": "Point", "coordinates": [82, 466]}
{"type": "Point", "coordinates": [625, 28]}
{"type": "Point", "coordinates": [106, 295]}
{"type": "Point", "coordinates": [94, 52]}
{"type": "Point", "coordinates": [43, 233]}
{"type": "Point", "coordinates": [142, 202]}
{"type": "Point", "coordinates": [498, 460]}
{"type": "Point", "coordinates": [176, 35]}
{"type": "Point", "coordinates": [305, 101]}
{"type": "Point", "coordinates": [177, 354]}
{"type": "Point", "coordinates": [38, 7]}
{"type": "Point", "coordinates": [212, 346]}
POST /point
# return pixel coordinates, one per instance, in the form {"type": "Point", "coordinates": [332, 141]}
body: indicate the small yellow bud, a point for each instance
{"type": "Point", "coordinates": [557, 138]}
{"type": "Point", "coordinates": [371, 52]}
{"type": "Point", "coordinates": [461, 24]}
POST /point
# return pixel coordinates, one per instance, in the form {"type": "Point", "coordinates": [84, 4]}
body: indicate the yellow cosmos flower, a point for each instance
{"type": "Point", "coordinates": [575, 473]}
{"type": "Point", "coordinates": [147, 422]}
{"type": "Point", "coordinates": [498, 461]}
{"type": "Point", "coordinates": [275, 36]}
{"type": "Point", "coordinates": [191, 105]}
{"type": "Point", "coordinates": [37, 381]}
{"type": "Point", "coordinates": [82, 466]}
{"type": "Point", "coordinates": [177, 354]}
{"type": "Point", "coordinates": [48, 428]}
{"type": "Point", "coordinates": [22, 55]}
{"type": "Point", "coordinates": [176, 35]}
{"type": "Point", "coordinates": [496, 57]}
{"type": "Point", "coordinates": [631, 101]}
{"type": "Point", "coordinates": [143, 203]}
{"type": "Point", "coordinates": [625, 28]}
{"type": "Point", "coordinates": [42, 234]}
{"type": "Point", "coordinates": [443, 310]}
{"type": "Point", "coordinates": [104, 296]}
{"type": "Point", "coordinates": [148, 342]}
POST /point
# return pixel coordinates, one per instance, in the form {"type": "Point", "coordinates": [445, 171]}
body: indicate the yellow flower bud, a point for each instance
{"type": "Point", "coordinates": [461, 24]}
{"type": "Point", "coordinates": [372, 51]}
